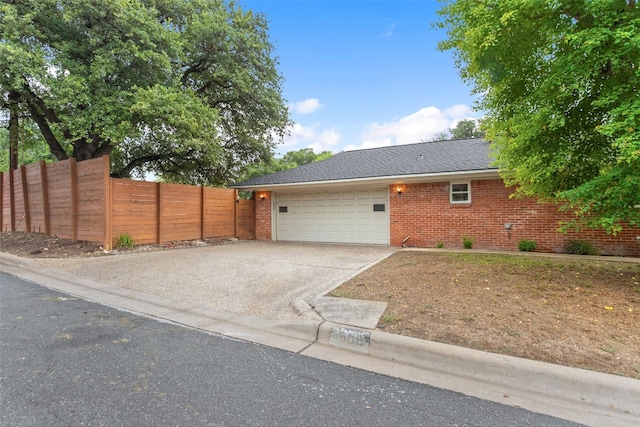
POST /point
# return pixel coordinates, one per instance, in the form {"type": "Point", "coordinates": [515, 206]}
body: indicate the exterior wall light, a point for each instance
{"type": "Point", "coordinates": [399, 190]}
{"type": "Point", "coordinates": [262, 196]}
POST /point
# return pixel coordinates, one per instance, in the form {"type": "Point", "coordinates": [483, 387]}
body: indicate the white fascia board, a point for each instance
{"type": "Point", "coordinates": [378, 180]}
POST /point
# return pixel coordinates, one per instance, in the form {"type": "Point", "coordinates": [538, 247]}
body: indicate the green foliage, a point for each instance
{"type": "Point", "coordinates": [440, 245]}
{"type": "Point", "coordinates": [579, 247]}
{"type": "Point", "coordinates": [391, 318]}
{"type": "Point", "coordinates": [467, 242]}
{"type": "Point", "coordinates": [466, 129]}
{"type": "Point", "coordinates": [558, 82]}
{"type": "Point", "coordinates": [441, 136]}
{"type": "Point", "coordinates": [186, 89]}
{"type": "Point", "coordinates": [525, 245]}
{"type": "Point", "coordinates": [290, 160]}
{"type": "Point", "coordinates": [125, 242]}
{"type": "Point", "coordinates": [30, 150]}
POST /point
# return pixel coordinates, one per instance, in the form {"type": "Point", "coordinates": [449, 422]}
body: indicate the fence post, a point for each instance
{"type": "Point", "coordinates": [25, 198]}
{"type": "Point", "coordinates": [1, 201]}
{"type": "Point", "coordinates": [106, 180]}
{"type": "Point", "coordinates": [74, 198]}
{"type": "Point", "coordinates": [202, 219]}
{"type": "Point", "coordinates": [159, 204]}
{"type": "Point", "coordinates": [45, 197]}
{"type": "Point", "coordinates": [12, 201]}
{"type": "Point", "coordinates": [236, 211]}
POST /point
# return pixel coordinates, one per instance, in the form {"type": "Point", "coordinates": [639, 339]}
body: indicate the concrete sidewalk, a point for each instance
{"type": "Point", "coordinates": [344, 332]}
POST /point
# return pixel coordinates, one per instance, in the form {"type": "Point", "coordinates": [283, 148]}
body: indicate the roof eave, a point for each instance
{"type": "Point", "coordinates": [377, 180]}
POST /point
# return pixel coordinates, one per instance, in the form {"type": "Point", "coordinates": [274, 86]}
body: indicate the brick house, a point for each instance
{"type": "Point", "coordinates": [415, 195]}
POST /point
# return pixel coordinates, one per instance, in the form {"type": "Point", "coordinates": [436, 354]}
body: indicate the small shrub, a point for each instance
{"type": "Point", "coordinates": [125, 241]}
{"type": "Point", "coordinates": [440, 245]}
{"type": "Point", "coordinates": [391, 318]}
{"type": "Point", "coordinates": [580, 247]}
{"type": "Point", "coordinates": [527, 245]}
{"type": "Point", "coordinates": [467, 242]}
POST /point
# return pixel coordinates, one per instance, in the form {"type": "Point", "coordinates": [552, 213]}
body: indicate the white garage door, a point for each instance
{"type": "Point", "coordinates": [340, 217]}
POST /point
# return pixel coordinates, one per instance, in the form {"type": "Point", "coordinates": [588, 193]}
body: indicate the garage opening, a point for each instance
{"type": "Point", "coordinates": [333, 217]}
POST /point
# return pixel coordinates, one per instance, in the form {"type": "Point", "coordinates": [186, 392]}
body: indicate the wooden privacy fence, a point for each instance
{"type": "Point", "coordinates": [80, 201]}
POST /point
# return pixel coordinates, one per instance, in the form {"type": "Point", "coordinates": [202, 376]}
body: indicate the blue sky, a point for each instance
{"type": "Point", "coordinates": [362, 74]}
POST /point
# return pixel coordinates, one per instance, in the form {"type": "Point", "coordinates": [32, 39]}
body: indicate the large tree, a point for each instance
{"type": "Point", "coordinates": [558, 82]}
{"type": "Point", "coordinates": [465, 129]}
{"type": "Point", "coordinates": [290, 160]}
{"type": "Point", "coordinates": [186, 89]}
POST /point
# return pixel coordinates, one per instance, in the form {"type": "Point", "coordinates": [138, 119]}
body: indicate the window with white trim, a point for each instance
{"type": "Point", "coordinates": [460, 192]}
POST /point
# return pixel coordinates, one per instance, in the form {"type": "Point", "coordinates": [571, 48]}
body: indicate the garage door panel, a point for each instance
{"type": "Point", "coordinates": [343, 217]}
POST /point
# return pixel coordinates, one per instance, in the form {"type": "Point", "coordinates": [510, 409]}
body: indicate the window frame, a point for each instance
{"type": "Point", "coordinates": [451, 192]}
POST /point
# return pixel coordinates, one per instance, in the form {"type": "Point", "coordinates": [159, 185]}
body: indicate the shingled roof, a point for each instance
{"type": "Point", "coordinates": [425, 158]}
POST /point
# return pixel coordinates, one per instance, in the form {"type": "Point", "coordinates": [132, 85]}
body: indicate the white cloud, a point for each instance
{"type": "Point", "coordinates": [419, 126]}
{"type": "Point", "coordinates": [312, 136]}
{"type": "Point", "coordinates": [460, 111]}
{"type": "Point", "coordinates": [388, 30]}
{"type": "Point", "coordinates": [307, 106]}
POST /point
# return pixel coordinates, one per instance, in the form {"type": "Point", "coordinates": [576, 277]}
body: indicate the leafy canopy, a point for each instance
{"type": "Point", "coordinates": [464, 129]}
{"type": "Point", "coordinates": [186, 89]}
{"type": "Point", "coordinates": [559, 84]}
{"type": "Point", "coordinates": [290, 160]}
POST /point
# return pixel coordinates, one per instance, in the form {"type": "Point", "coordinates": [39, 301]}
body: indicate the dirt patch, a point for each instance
{"type": "Point", "coordinates": [38, 245]}
{"type": "Point", "coordinates": [574, 311]}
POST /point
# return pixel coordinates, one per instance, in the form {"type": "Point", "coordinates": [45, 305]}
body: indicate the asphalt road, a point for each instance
{"type": "Point", "coordinates": [68, 362]}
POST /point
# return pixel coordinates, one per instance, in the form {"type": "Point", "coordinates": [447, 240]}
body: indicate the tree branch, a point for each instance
{"type": "Point", "coordinates": [126, 171]}
{"type": "Point", "coordinates": [45, 130]}
{"type": "Point", "coordinates": [198, 67]}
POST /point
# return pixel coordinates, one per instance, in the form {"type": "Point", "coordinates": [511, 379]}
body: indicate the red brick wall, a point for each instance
{"type": "Point", "coordinates": [423, 213]}
{"type": "Point", "coordinates": [263, 215]}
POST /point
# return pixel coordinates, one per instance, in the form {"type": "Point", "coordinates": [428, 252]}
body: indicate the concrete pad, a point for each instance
{"type": "Point", "coordinates": [255, 278]}
{"type": "Point", "coordinates": [290, 335]}
{"type": "Point", "coordinates": [361, 314]}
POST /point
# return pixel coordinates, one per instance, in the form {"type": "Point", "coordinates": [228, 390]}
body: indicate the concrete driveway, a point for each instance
{"type": "Point", "coordinates": [271, 280]}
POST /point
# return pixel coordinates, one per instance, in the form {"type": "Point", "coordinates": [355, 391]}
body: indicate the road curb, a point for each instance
{"type": "Point", "coordinates": [587, 397]}
{"type": "Point", "coordinates": [16, 261]}
{"type": "Point", "coordinates": [592, 398]}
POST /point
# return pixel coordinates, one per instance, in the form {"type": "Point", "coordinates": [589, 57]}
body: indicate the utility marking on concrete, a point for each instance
{"type": "Point", "coordinates": [350, 338]}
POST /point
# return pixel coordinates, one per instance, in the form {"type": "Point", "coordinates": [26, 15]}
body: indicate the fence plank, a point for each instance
{"type": "Point", "coordinates": [45, 197]}
{"type": "Point", "coordinates": [2, 193]}
{"type": "Point", "coordinates": [18, 201]}
{"type": "Point", "coordinates": [134, 210]}
{"type": "Point", "coordinates": [58, 188]}
{"type": "Point", "coordinates": [180, 217]}
{"type": "Point", "coordinates": [74, 198]}
{"type": "Point", "coordinates": [25, 198]}
{"type": "Point", "coordinates": [90, 199]}
{"type": "Point", "coordinates": [201, 213]}
{"type": "Point", "coordinates": [219, 212]}
{"type": "Point", "coordinates": [108, 214]}
{"type": "Point", "coordinates": [246, 219]}
{"type": "Point", "coordinates": [1, 200]}
{"type": "Point", "coordinates": [34, 198]}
